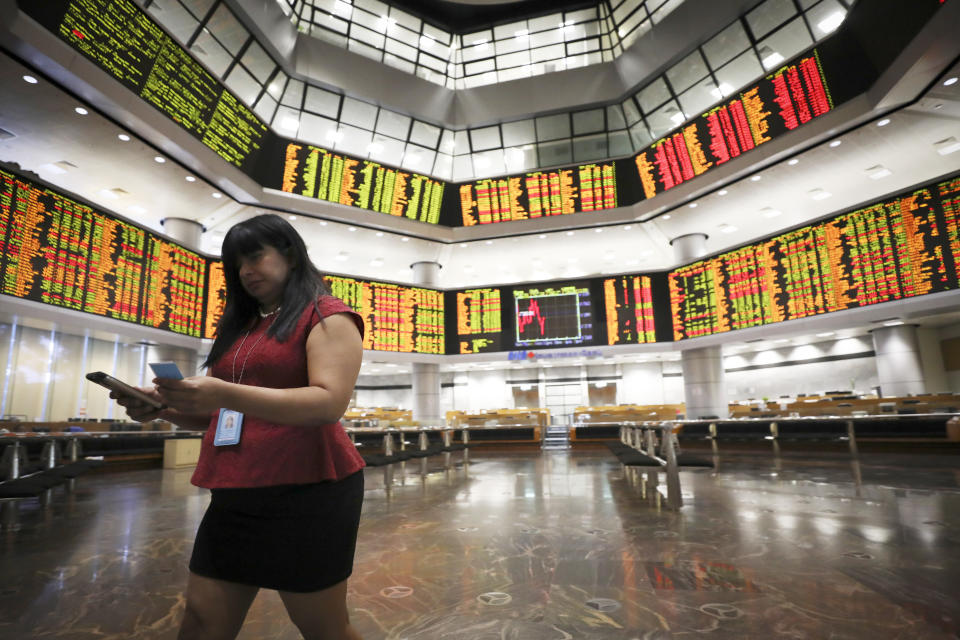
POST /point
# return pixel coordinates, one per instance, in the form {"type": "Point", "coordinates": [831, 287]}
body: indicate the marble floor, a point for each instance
{"type": "Point", "coordinates": [518, 545]}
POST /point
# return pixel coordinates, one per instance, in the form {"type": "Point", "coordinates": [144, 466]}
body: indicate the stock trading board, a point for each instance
{"type": "Point", "coordinates": [479, 320]}
{"type": "Point", "coordinates": [902, 247]}
{"type": "Point", "coordinates": [318, 173]}
{"type": "Point", "coordinates": [126, 43]}
{"type": "Point", "coordinates": [60, 251]}
{"type": "Point", "coordinates": [557, 315]}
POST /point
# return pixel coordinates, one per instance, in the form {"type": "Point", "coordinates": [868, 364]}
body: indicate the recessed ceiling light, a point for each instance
{"type": "Point", "coordinates": [30, 79]}
{"type": "Point", "coordinates": [665, 216]}
{"type": "Point", "coordinates": [836, 143]}
{"type": "Point", "coordinates": [947, 146]}
{"type": "Point", "coordinates": [124, 137]}
{"type": "Point", "coordinates": [693, 205]}
{"type": "Point", "coordinates": [946, 83]}
{"type": "Point", "coordinates": [323, 223]}
{"type": "Point", "coordinates": [756, 178]}
{"type": "Point", "coordinates": [569, 233]}
{"type": "Point", "coordinates": [770, 212]}
{"type": "Point", "coordinates": [598, 230]}
{"type": "Point", "coordinates": [215, 194]}
{"type": "Point", "coordinates": [488, 242]}
{"type": "Point", "coordinates": [883, 123]}
{"type": "Point", "coordinates": [542, 236]}
{"type": "Point", "coordinates": [878, 171]}
{"type": "Point", "coordinates": [825, 334]}
{"type": "Point", "coordinates": [159, 159]}
{"type": "Point", "coordinates": [722, 192]}
{"type": "Point", "coordinates": [379, 234]}
{"type": "Point", "coordinates": [404, 239]}
{"type": "Point", "coordinates": [463, 245]}
{"type": "Point", "coordinates": [293, 217]}
{"type": "Point", "coordinates": [819, 194]}
{"type": "Point", "coordinates": [81, 111]}
{"type": "Point", "coordinates": [190, 179]}
{"type": "Point", "coordinates": [351, 228]}
{"type": "Point", "coordinates": [792, 161]}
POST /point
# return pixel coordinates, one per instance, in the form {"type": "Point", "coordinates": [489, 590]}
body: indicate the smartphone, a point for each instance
{"type": "Point", "coordinates": [102, 379]}
{"type": "Point", "coordinates": [166, 370]}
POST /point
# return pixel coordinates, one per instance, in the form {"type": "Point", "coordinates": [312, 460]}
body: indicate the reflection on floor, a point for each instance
{"type": "Point", "coordinates": [534, 545]}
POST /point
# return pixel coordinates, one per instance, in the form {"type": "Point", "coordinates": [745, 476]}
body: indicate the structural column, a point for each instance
{"type": "Point", "coordinates": [704, 389]}
{"type": "Point", "coordinates": [187, 233]}
{"type": "Point", "coordinates": [426, 376]}
{"type": "Point", "coordinates": [898, 360]}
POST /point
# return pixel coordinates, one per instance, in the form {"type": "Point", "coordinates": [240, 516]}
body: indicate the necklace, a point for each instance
{"type": "Point", "coordinates": [243, 366]}
{"type": "Point", "coordinates": [268, 314]}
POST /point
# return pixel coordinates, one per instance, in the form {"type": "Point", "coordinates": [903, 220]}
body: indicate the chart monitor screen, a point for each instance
{"type": "Point", "coordinates": [553, 315]}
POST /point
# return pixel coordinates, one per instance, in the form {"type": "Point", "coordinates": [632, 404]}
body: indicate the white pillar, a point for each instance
{"type": "Point", "coordinates": [899, 367]}
{"type": "Point", "coordinates": [426, 376]}
{"type": "Point", "coordinates": [704, 389]}
{"type": "Point", "coordinates": [188, 233]}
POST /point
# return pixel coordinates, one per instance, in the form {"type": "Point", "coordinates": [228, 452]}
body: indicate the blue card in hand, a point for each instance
{"type": "Point", "coordinates": [166, 370]}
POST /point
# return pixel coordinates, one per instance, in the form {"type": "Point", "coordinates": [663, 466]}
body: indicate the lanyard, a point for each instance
{"type": "Point", "coordinates": [243, 366]}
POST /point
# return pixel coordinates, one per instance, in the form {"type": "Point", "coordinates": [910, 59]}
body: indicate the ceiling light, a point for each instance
{"type": "Point", "coordinates": [825, 334]}
{"type": "Point", "coordinates": [124, 137]}
{"type": "Point", "coordinates": [404, 239]}
{"type": "Point", "coordinates": [323, 223]}
{"type": "Point", "coordinates": [30, 79]}
{"type": "Point", "coordinates": [293, 217]}
{"type": "Point", "coordinates": [569, 233]}
{"type": "Point", "coordinates": [946, 83]}
{"type": "Point", "coordinates": [598, 230]}
{"type": "Point", "coordinates": [878, 171]}
{"type": "Point", "coordinates": [947, 146]}
{"type": "Point", "coordinates": [159, 159]}
{"type": "Point", "coordinates": [463, 245]}
{"type": "Point", "coordinates": [542, 236]}
{"type": "Point", "coordinates": [379, 234]}
{"type": "Point", "coordinates": [756, 178]}
{"type": "Point", "coordinates": [831, 22]}
{"type": "Point", "coordinates": [883, 123]}
{"type": "Point", "coordinates": [819, 194]}
{"type": "Point", "coordinates": [693, 205]}
{"type": "Point", "coordinates": [665, 216]}
{"type": "Point", "coordinates": [488, 242]}
{"type": "Point", "coordinates": [343, 255]}
{"type": "Point", "coordinates": [351, 228]}
{"type": "Point", "coordinates": [792, 161]}
{"type": "Point", "coordinates": [722, 192]}
{"type": "Point", "coordinates": [770, 212]}
{"type": "Point", "coordinates": [426, 41]}
{"type": "Point", "coordinates": [217, 195]}
{"type": "Point", "coordinates": [81, 111]}
{"type": "Point", "coordinates": [836, 143]}
{"type": "Point", "coordinates": [892, 323]}
{"type": "Point", "coordinates": [727, 228]}
{"type": "Point", "coordinates": [190, 179]}
{"type": "Point", "coordinates": [627, 228]}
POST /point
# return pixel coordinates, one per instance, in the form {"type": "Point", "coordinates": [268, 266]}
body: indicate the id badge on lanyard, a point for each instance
{"type": "Point", "coordinates": [229, 425]}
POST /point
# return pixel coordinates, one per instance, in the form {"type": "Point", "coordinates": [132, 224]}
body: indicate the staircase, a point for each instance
{"type": "Point", "coordinates": [557, 436]}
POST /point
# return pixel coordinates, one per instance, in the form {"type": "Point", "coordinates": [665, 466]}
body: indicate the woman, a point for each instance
{"type": "Point", "coordinates": [286, 482]}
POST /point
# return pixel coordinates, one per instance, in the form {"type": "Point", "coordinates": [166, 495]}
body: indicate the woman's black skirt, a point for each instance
{"type": "Point", "coordinates": [290, 538]}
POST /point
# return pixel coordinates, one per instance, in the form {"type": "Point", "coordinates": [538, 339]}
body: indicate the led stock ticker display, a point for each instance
{"type": "Point", "coordinates": [126, 43]}
{"type": "Point", "coordinates": [902, 247]}
{"type": "Point", "coordinates": [59, 251]}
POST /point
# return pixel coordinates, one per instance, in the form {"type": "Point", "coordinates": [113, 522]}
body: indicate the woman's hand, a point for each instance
{"type": "Point", "coordinates": [199, 394]}
{"type": "Point", "coordinates": [138, 409]}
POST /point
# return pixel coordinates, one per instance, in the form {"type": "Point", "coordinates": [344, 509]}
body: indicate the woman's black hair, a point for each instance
{"type": "Point", "coordinates": [304, 282]}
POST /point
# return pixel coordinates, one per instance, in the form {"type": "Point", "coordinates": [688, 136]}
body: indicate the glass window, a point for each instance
{"type": "Point", "coordinates": [322, 101]}
{"type": "Point", "coordinates": [393, 124]}
{"type": "Point", "coordinates": [489, 163]}
{"type": "Point", "coordinates": [511, 31]}
{"type": "Point", "coordinates": [699, 97]}
{"type": "Point", "coordinates": [424, 134]}
{"type": "Point", "coordinates": [198, 8]}
{"type": "Point", "coordinates": [477, 38]}
{"type": "Point", "coordinates": [664, 10]}
{"type": "Point", "coordinates": [440, 36]}
{"type": "Point", "coordinates": [666, 118]}
{"type": "Point", "coordinates": [640, 136]}
{"type": "Point", "coordinates": [317, 130]}
{"type": "Point", "coordinates": [293, 95]}
{"type": "Point", "coordinates": [784, 43]}
{"type": "Point", "coordinates": [553, 127]}
{"type": "Point", "coordinates": [590, 148]}
{"type": "Point", "coordinates": [287, 120]}
{"type": "Point", "coordinates": [462, 142]}
{"type": "Point", "coordinates": [739, 72]}
{"type": "Point", "coordinates": [434, 64]}
{"type": "Point", "coordinates": [372, 21]}
{"type": "Point", "coordinates": [354, 141]}
{"type": "Point", "coordinates": [360, 114]}
{"type": "Point", "coordinates": [587, 122]}
{"type": "Point", "coordinates": [477, 52]}
{"type": "Point", "coordinates": [227, 29]}
{"type": "Point", "coordinates": [548, 53]}
{"type": "Point", "coordinates": [473, 68]}
{"type": "Point", "coordinates": [257, 62]}
{"type": "Point", "coordinates": [619, 144]}
{"type": "Point", "coordinates": [615, 119]}
{"type": "Point", "coordinates": [725, 45]}
{"type": "Point", "coordinates": [373, 6]}
{"type": "Point", "coordinates": [277, 85]}
{"type": "Point", "coordinates": [175, 18]}
{"type": "Point", "coordinates": [418, 159]}
{"type": "Point", "coordinates": [770, 15]}
{"type": "Point", "coordinates": [265, 107]}
{"type": "Point", "coordinates": [511, 45]}
{"type": "Point", "coordinates": [335, 39]}
{"type": "Point", "coordinates": [520, 158]}
{"type": "Point", "coordinates": [367, 36]}
{"type": "Point", "coordinates": [544, 38]}
{"type": "Point", "coordinates": [443, 167]}
{"type": "Point", "coordinates": [399, 63]}
{"type": "Point", "coordinates": [210, 53]}
{"type": "Point", "coordinates": [653, 95]}
{"type": "Point", "coordinates": [515, 73]}
{"type": "Point", "coordinates": [554, 153]}
{"type": "Point", "coordinates": [687, 72]}
{"type": "Point", "coordinates": [243, 85]}
{"type": "Point", "coordinates": [519, 132]}
{"type": "Point", "coordinates": [384, 149]}
{"type": "Point", "coordinates": [405, 19]}
{"type": "Point", "coordinates": [826, 17]}
{"type": "Point", "coordinates": [517, 59]}
{"type": "Point", "coordinates": [402, 50]}
{"type": "Point", "coordinates": [485, 138]}
{"type": "Point", "coordinates": [462, 168]}
{"type": "Point", "coordinates": [630, 111]}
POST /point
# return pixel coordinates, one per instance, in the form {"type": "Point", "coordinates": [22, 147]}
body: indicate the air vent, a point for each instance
{"type": "Point", "coordinates": [6, 135]}
{"type": "Point", "coordinates": [119, 192]}
{"type": "Point", "coordinates": [66, 166]}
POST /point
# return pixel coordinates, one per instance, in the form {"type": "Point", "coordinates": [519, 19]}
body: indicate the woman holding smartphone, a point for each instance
{"type": "Point", "coordinates": [286, 482]}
